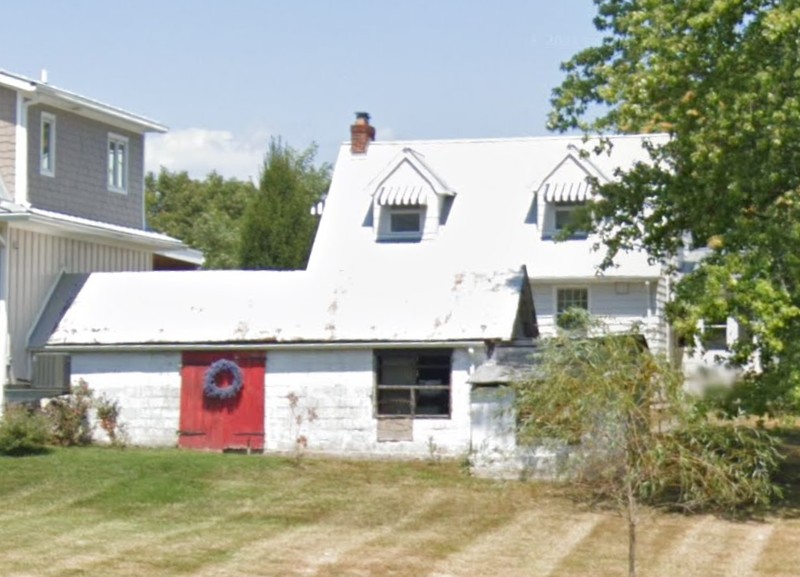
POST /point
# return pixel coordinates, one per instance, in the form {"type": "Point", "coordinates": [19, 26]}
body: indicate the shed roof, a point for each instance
{"type": "Point", "coordinates": [227, 307]}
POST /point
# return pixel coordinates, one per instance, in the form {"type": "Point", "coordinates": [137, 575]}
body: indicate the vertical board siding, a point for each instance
{"type": "Point", "coordinates": [35, 262]}
{"type": "Point", "coordinates": [218, 424]}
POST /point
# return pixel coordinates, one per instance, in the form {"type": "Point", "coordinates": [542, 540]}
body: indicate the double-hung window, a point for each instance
{"type": "Point", "coordinates": [571, 298]}
{"type": "Point", "coordinates": [47, 145]}
{"type": "Point", "coordinates": [117, 163]}
{"type": "Point", "coordinates": [412, 383]}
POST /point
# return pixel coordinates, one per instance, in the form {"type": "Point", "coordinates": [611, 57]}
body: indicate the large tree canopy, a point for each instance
{"type": "Point", "coordinates": [722, 78]}
{"type": "Point", "coordinates": [278, 227]}
{"type": "Point", "coordinates": [205, 214]}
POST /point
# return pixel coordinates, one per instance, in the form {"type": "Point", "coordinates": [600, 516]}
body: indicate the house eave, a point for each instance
{"type": "Point", "coordinates": [260, 346]}
{"type": "Point", "coordinates": [46, 221]}
{"type": "Point", "coordinates": [65, 100]}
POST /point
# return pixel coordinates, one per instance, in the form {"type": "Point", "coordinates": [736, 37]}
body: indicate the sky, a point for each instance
{"type": "Point", "coordinates": [227, 75]}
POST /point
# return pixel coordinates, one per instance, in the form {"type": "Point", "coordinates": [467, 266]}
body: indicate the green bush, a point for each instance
{"type": "Point", "coordinates": [23, 432]}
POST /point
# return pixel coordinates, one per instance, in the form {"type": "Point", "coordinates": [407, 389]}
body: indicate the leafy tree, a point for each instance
{"type": "Point", "coordinates": [205, 214]}
{"type": "Point", "coordinates": [720, 77]}
{"type": "Point", "coordinates": [278, 227]}
{"type": "Point", "coordinates": [634, 438]}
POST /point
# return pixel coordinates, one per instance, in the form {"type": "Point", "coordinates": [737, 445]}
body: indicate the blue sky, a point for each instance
{"type": "Point", "coordinates": [224, 76]}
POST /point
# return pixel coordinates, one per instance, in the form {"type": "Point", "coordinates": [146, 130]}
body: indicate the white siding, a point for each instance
{"type": "Point", "coordinates": [146, 385]}
{"type": "Point", "coordinates": [35, 261]}
{"type": "Point", "coordinates": [619, 305]}
{"type": "Point", "coordinates": [339, 386]}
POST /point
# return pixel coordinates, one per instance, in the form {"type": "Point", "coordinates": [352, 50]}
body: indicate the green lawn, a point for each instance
{"type": "Point", "coordinates": [109, 512]}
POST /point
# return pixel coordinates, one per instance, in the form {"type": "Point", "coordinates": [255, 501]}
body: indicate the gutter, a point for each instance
{"type": "Point", "coordinates": [350, 345]}
{"type": "Point", "coordinates": [144, 238]}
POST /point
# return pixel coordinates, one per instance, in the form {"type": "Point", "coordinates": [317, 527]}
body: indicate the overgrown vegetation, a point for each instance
{"type": "Point", "coordinates": [635, 437]}
{"type": "Point", "coordinates": [23, 432]}
{"type": "Point", "coordinates": [719, 77]}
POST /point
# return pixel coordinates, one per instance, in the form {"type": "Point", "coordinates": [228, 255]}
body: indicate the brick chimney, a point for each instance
{"type": "Point", "coordinates": [361, 134]}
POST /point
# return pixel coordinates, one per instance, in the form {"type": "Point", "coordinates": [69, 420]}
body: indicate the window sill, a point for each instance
{"type": "Point", "coordinates": [117, 190]}
{"type": "Point", "coordinates": [554, 237]}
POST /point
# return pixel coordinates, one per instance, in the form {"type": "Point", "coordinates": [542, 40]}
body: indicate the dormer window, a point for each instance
{"type": "Point", "coordinates": [409, 202]}
{"type": "Point", "coordinates": [406, 220]}
{"type": "Point", "coordinates": [563, 192]}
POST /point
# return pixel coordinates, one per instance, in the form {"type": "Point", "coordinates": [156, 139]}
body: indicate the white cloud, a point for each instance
{"type": "Point", "coordinates": [198, 151]}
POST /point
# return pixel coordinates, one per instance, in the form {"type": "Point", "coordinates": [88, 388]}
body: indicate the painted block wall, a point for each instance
{"type": "Point", "coordinates": [496, 454]}
{"type": "Point", "coordinates": [8, 119]}
{"type": "Point", "coordinates": [339, 386]}
{"type": "Point", "coordinates": [147, 387]}
{"type": "Point", "coordinates": [80, 185]}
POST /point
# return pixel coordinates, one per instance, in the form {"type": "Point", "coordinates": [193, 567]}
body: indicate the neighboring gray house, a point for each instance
{"type": "Point", "coordinates": [71, 201]}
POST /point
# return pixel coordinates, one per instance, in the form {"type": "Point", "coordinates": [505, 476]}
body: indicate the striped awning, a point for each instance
{"type": "Point", "coordinates": [575, 191]}
{"type": "Point", "coordinates": [403, 195]}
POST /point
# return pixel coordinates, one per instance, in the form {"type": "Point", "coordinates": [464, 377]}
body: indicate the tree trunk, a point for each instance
{"type": "Point", "coordinates": [631, 515]}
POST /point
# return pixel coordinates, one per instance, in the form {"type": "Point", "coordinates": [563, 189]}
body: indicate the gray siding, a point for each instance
{"type": "Point", "coordinates": [35, 262]}
{"type": "Point", "coordinates": [79, 187]}
{"type": "Point", "coordinates": [8, 120]}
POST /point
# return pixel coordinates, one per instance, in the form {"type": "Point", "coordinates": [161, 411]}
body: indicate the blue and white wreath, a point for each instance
{"type": "Point", "coordinates": [212, 390]}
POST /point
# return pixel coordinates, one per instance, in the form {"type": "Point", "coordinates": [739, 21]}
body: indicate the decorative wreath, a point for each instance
{"type": "Point", "coordinates": [213, 391]}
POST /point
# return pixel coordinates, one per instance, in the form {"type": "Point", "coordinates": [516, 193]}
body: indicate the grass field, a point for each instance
{"type": "Point", "coordinates": [150, 513]}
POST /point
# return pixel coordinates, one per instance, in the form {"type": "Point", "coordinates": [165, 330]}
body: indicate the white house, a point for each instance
{"type": "Point", "coordinates": [380, 359]}
{"type": "Point", "coordinates": [427, 263]}
{"type": "Point", "coordinates": [473, 204]}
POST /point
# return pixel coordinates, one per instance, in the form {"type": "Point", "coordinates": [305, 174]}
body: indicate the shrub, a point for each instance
{"type": "Point", "coordinates": [69, 416]}
{"type": "Point", "coordinates": [23, 432]}
{"type": "Point", "coordinates": [108, 411]}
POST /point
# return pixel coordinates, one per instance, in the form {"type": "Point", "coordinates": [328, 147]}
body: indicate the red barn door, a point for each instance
{"type": "Point", "coordinates": [214, 423]}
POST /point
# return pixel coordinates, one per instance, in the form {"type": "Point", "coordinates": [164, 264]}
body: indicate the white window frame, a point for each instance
{"type": "Point", "coordinates": [558, 289]}
{"type": "Point", "coordinates": [553, 209]}
{"type": "Point", "coordinates": [47, 161]}
{"type": "Point", "coordinates": [385, 230]}
{"type": "Point", "coordinates": [117, 165]}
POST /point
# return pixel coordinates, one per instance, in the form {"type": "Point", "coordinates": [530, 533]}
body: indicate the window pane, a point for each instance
{"type": "Point", "coordinates": [405, 222]}
{"type": "Point", "coordinates": [47, 129]}
{"type": "Point", "coordinates": [563, 218]}
{"type": "Point", "coordinates": [394, 402]}
{"type": "Point", "coordinates": [572, 298]}
{"type": "Point", "coordinates": [111, 163]}
{"type": "Point", "coordinates": [432, 401]}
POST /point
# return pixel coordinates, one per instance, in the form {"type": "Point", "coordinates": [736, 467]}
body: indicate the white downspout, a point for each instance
{"type": "Point", "coordinates": [21, 152]}
{"type": "Point", "coordinates": [4, 340]}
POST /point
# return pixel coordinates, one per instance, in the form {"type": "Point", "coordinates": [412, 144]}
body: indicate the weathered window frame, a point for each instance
{"type": "Point", "coordinates": [427, 387]}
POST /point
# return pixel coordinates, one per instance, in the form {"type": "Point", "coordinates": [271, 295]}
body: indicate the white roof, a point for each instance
{"type": "Point", "coordinates": [84, 227]}
{"type": "Point", "coordinates": [493, 220]}
{"type": "Point", "coordinates": [67, 100]}
{"type": "Point", "coordinates": [207, 307]}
